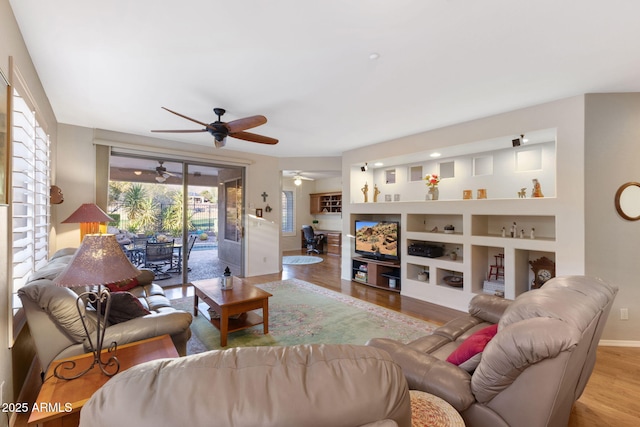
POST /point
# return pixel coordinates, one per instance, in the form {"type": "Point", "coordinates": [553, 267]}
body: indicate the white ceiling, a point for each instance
{"type": "Point", "coordinates": [305, 65]}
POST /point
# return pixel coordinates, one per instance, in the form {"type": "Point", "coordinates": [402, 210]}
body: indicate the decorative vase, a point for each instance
{"type": "Point", "coordinates": [433, 193]}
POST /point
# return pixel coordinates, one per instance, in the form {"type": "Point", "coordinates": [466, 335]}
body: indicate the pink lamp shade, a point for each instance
{"type": "Point", "coordinates": [89, 215]}
{"type": "Point", "coordinates": [98, 261]}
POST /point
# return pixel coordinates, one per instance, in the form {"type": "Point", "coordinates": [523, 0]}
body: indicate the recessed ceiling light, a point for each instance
{"type": "Point", "coordinates": [373, 56]}
{"type": "Point", "coordinates": [435, 155]}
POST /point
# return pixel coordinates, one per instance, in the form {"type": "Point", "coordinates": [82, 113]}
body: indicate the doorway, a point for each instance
{"type": "Point", "coordinates": [198, 206]}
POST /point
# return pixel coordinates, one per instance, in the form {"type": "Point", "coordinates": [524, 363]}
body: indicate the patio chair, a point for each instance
{"type": "Point", "coordinates": [136, 249]}
{"type": "Point", "coordinates": [177, 256]}
{"type": "Point", "coordinates": [157, 257]}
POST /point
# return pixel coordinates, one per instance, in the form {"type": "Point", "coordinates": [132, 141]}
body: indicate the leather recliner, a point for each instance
{"type": "Point", "coordinates": [532, 371]}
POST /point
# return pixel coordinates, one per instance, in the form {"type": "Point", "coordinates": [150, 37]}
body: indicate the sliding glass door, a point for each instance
{"type": "Point", "coordinates": [200, 207]}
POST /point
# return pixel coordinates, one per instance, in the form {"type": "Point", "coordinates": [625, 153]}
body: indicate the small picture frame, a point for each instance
{"type": "Point", "coordinates": [482, 193]}
{"type": "Point", "coordinates": [467, 194]}
{"type": "Point", "coordinates": [259, 213]}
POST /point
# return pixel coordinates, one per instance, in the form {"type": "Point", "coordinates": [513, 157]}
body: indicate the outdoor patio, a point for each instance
{"type": "Point", "coordinates": [203, 264]}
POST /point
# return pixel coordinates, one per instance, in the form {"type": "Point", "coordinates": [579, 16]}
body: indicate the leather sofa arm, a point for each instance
{"type": "Point", "coordinates": [148, 326]}
{"type": "Point", "coordinates": [145, 277]}
{"type": "Point", "coordinates": [488, 307]}
{"type": "Point", "coordinates": [426, 373]}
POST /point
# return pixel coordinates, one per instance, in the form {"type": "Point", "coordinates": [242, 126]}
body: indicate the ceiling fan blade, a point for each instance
{"type": "Point", "coordinates": [253, 137]}
{"type": "Point", "coordinates": [246, 123]}
{"type": "Point", "coordinates": [186, 117]}
{"type": "Point", "coordinates": [180, 131]}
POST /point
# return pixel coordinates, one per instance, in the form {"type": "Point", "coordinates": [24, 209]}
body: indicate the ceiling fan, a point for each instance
{"type": "Point", "coordinates": [298, 178]}
{"type": "Point", "coordinates": [161, 172]}
{"type": "Point", "coordinates": [220, 130]}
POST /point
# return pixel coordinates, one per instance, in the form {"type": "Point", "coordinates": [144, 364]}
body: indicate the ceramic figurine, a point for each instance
{"type": "Point", "coordinates": [537, 190]}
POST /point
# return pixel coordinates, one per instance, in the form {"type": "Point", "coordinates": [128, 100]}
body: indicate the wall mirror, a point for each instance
{"type": "Point", "coordinates": [627, 201]}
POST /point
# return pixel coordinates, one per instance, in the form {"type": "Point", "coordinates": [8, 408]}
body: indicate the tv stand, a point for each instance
{"type": "Point", "coordinates": [376, 273]}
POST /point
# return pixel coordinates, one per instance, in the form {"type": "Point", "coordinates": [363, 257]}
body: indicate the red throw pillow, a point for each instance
{"type": "Point", "coordinates": [123, 286]}
{"type": "Point", "coordinates": [472, 346]}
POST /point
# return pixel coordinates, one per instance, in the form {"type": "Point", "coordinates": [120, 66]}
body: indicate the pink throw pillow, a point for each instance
{"type": "Point", "coordinates": [474, 345]}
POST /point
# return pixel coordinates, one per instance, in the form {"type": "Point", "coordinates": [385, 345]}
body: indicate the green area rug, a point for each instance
{"type": "Point", "coordinates": [300, 260]}
{"type": "Point", "coordinates": [303, 313]}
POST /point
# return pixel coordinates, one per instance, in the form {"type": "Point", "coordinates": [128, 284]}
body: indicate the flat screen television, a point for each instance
{"type": "Point", "coordinates": [377, 239]}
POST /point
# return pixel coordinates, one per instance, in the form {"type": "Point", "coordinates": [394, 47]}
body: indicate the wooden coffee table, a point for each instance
{"type": "Point", "coordinates": [60, 401]}
{"type": "Point", "coordinates": [239, 300]}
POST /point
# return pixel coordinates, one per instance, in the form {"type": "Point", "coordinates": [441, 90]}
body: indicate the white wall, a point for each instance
{"type": "Point", "coordinates": [12, 44]}
{"type": "Point", "coordinates": [613, 244]}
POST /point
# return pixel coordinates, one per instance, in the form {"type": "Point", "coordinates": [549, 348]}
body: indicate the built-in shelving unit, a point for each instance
{"type": "Point", "coordinates": [486, 213]}
{"type": "Point", "coordinates": [476, 238]}
{"type": "Point", "coordinates": [325, 203]}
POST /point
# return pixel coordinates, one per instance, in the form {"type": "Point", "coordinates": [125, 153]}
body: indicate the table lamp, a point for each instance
{"type": "Point", "coordinates": [89, 215]}
{"type": "Point", "coordinates": [98, 261]}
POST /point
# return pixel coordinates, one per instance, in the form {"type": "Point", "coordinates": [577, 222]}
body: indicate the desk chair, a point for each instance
{"type": "Point", "coordinates": [312, 239]}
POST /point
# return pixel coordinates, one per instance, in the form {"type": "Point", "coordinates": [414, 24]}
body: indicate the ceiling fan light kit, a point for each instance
{"type": "Point", "coordinates": [221, 130]}
{"type": "Point", "coordinates": [298, 178]}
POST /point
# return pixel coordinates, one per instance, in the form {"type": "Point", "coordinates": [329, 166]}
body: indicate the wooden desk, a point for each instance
{"type": "Point", "coordinates": [238, 300]}
{"type": "Point", "coordinates": [331, 244]}
{"type": "Point", "coordinates": [61, 400]}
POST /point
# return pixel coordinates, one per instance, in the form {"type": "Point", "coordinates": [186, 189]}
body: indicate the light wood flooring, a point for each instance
{"type": "Point", "coordinates": [610, 398]}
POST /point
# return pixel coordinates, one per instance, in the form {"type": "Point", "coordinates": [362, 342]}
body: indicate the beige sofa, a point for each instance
{"type": "Point", "coordinates": [305, 385]}
{"type": "Point", "coordinates": [532, 371]}
{"type": "Point", "coordinates": [55, 324]}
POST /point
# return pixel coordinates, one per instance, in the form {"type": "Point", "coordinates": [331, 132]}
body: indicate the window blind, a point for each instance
{"type": "Point", "coordinates": [288, 223]}
{"type": "Point", "coordinates": [30, 181]}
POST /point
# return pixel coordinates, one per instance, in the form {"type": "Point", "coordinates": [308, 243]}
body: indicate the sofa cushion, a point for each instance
{"type": "Point", "coordinates": [61, 305]}
{"type": "Point", "coordinates": [468, 354]}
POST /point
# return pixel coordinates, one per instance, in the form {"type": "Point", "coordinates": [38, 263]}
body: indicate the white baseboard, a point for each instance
{"type": "Point", "coordinates": [619, 343]}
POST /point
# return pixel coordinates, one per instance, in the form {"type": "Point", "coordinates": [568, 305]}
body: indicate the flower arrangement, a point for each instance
{"type": "Point", "coordinates": [432, 180]}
